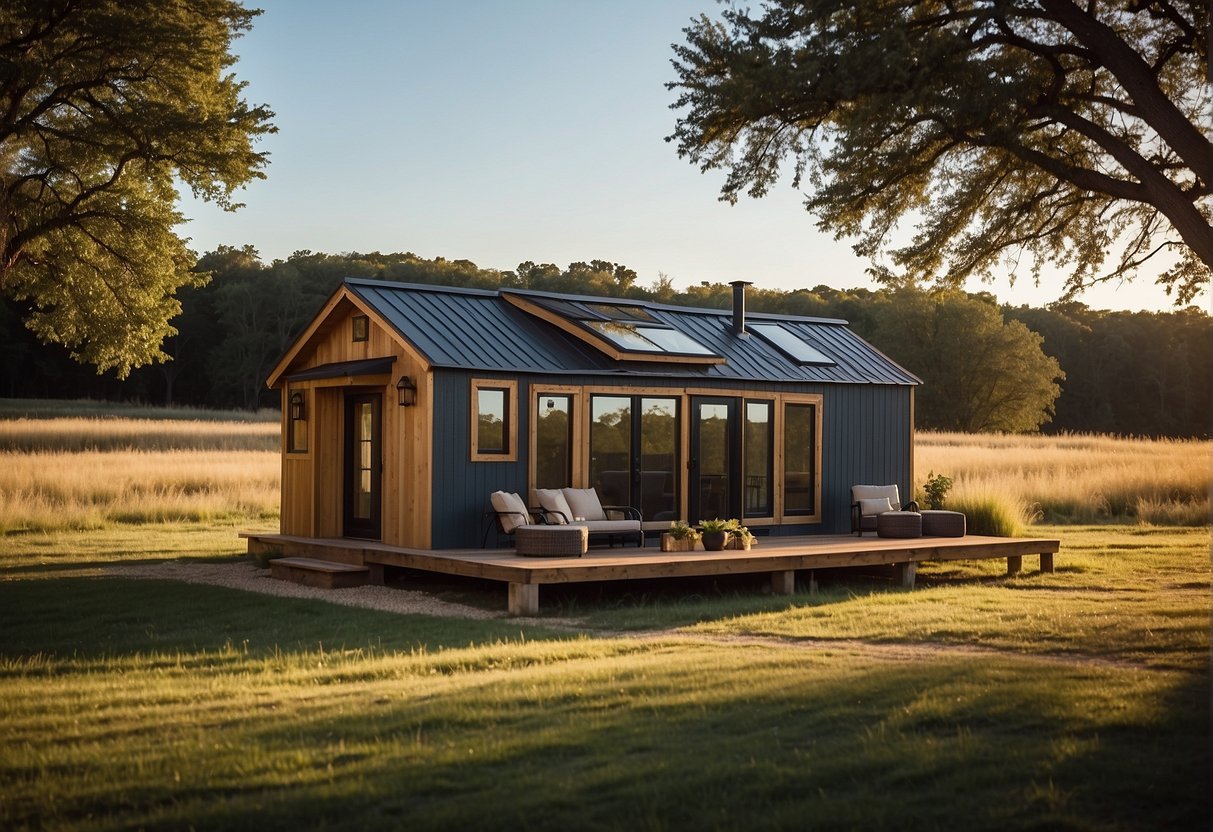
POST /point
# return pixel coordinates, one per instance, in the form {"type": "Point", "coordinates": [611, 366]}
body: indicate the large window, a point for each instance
{"type": "Point", "coordinates": [553, 449]}
{"type": "Point", "coordinates": [800, 459]}
{"type": "Point", "coordinates": [494, 421]}
{"type": "Point", "coordinates": [759, 452]}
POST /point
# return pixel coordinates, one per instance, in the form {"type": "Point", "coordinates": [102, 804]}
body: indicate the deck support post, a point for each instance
{"type": "Point", "coordinates": [1046, 561]}
{"type": "Point", "coordinates": [1014, 564]}
{"type": "Point", "coordinates": [376, 577]}
{"type": "Point", "coordinates": [812, 582]}
{"type": "Point", "coordinates": [524, 599]}
{"type": "Point", "coordinates": [906, 573]}
{"type": "Point", "coordinates": [783, 582]}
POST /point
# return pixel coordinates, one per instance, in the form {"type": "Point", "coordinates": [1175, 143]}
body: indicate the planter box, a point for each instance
{"type": "Point", "coordinates": [736, 542]}
{"type": "Point", "coordinates": [669, 543]}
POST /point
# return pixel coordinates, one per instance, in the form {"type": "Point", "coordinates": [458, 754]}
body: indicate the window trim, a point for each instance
{"type": "Point", "coordinates": [510, 387]}
{"type": "Point", "coordinates": [773, 403]}
{"type": "Point", "coordinates": [538, 392]}
{"type": "Point", "coordinates": [782, 516]}
{"type": "Point", "coordinates": [360, 328]}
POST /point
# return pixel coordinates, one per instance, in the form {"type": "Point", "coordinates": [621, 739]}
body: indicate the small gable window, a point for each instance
{"type": "Point", "coordinates": [362, 328]}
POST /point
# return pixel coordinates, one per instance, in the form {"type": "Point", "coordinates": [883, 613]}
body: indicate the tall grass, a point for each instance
{"type": "Point", "coordinates": [61, 408]}
{"type": "Point", "coordinates": [91, 434]}
{"type": "Point", "coordinates": [88, 472]}
{"type": "Point", "coordinates": [1074, 478]}
{"type": "Point", "coordinates": [43, 490]}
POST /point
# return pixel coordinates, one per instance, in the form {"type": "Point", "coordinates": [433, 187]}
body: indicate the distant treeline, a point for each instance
{"type": "Point", "coordinates": [1140, 373]}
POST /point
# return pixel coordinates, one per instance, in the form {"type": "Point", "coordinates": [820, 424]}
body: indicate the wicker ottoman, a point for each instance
{"type": "Point", "coordinates": [551, 541]}
{"type": "Point", "coordinates": [899, 524]}
{"type": "Point", "coordinates": [943, 523]}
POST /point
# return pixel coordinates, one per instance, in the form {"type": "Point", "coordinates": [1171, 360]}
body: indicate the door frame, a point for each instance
{"type": "Point", "coordinates": [733, 478]}
{"type": "Point", "coordinates": [352, 526]}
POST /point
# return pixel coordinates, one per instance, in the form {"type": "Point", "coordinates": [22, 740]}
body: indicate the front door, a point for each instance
{"type": "Point", "coordinates": [363, 466]}
{"type": "Point", "coordinates": [715, 455]}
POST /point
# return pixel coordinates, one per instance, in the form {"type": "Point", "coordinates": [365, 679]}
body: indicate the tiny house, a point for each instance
{"type": "Point", "coordinates": [405, 406]}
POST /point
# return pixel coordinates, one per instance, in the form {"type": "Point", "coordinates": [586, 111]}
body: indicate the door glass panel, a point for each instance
{"type": "Point", "coordinates": [656, 492]}
{"type": "Point", "coordinates": [362, 511]}
{"type": "Point", "coordinates": [758, 457]}
{"type": "Point", "coordinates": [714, 461]}
{"type": "Point", "coordinates": [611, 448]}
{"type": "Point", "coordinates": [554, 442]}
{"type": "Point", "coordinates": [364, 439]}
{"type": "Point", "coordinates": [799, 449]}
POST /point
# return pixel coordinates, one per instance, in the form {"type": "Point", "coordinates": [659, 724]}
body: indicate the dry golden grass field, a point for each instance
{"type": "Point", "coordinates": [81, 472]}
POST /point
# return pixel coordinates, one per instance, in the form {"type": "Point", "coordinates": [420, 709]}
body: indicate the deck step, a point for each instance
{"type": "Point", "coordinates": [325, 574]}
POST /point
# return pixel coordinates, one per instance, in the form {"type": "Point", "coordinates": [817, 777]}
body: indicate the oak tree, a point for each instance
{"type": "Point", "coordinates": [105, 107]}
{"type": "Point", "coordinates": [1064, 132]}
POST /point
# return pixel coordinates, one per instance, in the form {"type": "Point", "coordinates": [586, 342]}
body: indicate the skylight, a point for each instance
{"type": "Point", "coordinates": [628, 328]}
{"type": "Point", "coordinates": [639, 338]}
{"type": "Point", "coordinates": [790, 344]}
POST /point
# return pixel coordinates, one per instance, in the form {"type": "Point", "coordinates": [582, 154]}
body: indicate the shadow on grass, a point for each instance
{"type": "Point", "coordinates": [105, 616]}
{"type": "Point", "coordinates": [722, 739]}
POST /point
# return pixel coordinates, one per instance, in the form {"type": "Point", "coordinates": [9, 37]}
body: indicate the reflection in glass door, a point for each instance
{"type": "Point", "coordinates": [363, 467]}
{"type": "Point", "coordinates": [714, 453]}
{"type": "Point", "coordinates": [634, 453]}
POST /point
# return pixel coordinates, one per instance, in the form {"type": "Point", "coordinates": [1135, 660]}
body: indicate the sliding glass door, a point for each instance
{"type": "Point", "coordinates": [634, 453]}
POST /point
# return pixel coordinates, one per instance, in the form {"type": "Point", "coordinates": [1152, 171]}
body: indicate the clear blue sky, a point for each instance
{"type": "Point", "coordinates": [499, 132]}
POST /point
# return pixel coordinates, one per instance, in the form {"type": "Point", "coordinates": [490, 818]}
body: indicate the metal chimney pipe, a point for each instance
{"type": "Point", "coordinates": [739, 305]}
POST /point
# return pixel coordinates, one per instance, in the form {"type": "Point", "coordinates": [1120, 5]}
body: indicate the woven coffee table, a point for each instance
{"type": "Point", "coordinates": [899, 524]}
{"type": "Point", "coordinates": [551, 541]}
{"type": "Point", "coordinates": [938, 523]}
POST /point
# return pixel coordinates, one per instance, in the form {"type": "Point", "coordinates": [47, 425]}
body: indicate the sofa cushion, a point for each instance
{"type": "Point", "coordinates": [875, 505]}
{"type": "Point", "coordinates": [875, 492]}
{"type": "Point", "coordinates": [511, 510]}
{"type": "Point", "coordinates": [584, 503]}
{"type": "Point", "coordinates": [612, 526]}
{"type": "Point", "coordinates": [552, 499]}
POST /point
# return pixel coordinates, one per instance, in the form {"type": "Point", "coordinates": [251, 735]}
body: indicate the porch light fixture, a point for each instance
{"type": "Point", "coordinates": [406, 392]}
{"type": "Point", "coordinates": [298, 411]}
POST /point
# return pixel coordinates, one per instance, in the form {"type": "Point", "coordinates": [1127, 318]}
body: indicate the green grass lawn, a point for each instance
{"type": "Point", "coordinates": [1077, 700]}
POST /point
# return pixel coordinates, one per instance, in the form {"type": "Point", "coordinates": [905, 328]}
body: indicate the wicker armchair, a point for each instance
{"type": "Point", "coordinates": [867, 501]}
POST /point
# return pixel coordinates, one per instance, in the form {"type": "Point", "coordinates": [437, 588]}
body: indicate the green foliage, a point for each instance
{"type": "Point", "coordinates": [681, 531]}
{"type": "Point", "coordinates": [104, 106]}
{"type": "Point", "coordinates": [936, 489]}
{"type": "Point", "coordinates": [979, 371]}
{"type": "Point", "coordinates": [1126, 372]}
{"type": "Point", "coordinates": [715, 525]}
{"type": "Point", "coordinates": [1049, 132]}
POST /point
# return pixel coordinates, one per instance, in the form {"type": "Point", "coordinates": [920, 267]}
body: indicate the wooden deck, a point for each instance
{"type": "Point", "coordinates": [779, 556]}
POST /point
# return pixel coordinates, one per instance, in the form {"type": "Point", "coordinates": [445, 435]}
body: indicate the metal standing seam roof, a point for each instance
{"type": "Point", "coordinates": [475, 329]}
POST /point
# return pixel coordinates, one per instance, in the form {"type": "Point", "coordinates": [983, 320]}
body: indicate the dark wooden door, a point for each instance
{"type": "Point", "coordinates": [363, 466]}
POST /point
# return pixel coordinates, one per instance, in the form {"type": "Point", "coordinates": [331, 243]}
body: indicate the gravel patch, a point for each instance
{"type": "Point", "coordinates": [246, 576]}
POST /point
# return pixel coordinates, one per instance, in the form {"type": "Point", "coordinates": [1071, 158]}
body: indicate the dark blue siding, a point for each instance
{"type": "Point", "coordinates": [866, 439]}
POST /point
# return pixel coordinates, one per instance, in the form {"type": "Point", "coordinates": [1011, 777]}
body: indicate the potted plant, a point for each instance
{"type": "Point", "coordinates": [680, 538]}
{"type": "Point", "coordinates": [936, 489]}
{"type": "Point", "coordinates": [715, 533]}
{"type": "Point", "coordinates": [739, 536]}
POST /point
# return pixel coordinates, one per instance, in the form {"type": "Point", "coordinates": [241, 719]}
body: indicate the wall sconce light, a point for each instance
{"type": "Point", "coordinates": [298, 410]}
{"type": "Point", "coordinates": [406, 392]}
